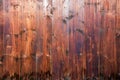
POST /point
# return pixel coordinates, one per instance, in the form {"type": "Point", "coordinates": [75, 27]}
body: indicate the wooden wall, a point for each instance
{"type": "Point", "coordinates": [68, 38]}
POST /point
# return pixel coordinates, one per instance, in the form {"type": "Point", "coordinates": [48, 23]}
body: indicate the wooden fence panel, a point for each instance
{"type": "Point", "coordinates": [59, 39]}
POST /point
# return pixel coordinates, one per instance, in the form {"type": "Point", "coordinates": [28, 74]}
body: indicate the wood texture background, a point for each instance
{"type": "Point", "coordinates": [75, 38]}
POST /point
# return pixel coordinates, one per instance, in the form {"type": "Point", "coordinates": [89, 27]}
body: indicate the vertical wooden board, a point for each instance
{"type": "Point", "coordinates": [28, 39]}
{"type": "Point", "coordinates": [118, 35]}
{"type": "Point", "coordinates": [39, 38]}
{"type": "Point", "coordinates": [76, 34]}
{"type": "Point", "coordinates": [60, 41]}
{"type": "Point", "coordinates": [1, 27]}
{"type": "Point", "coordinates": [108, 28]}
{"type": "Point", "coordinates": [65, 51]}
{"type": "Point", "coordinates": [87, 32]}
{"type": "Point", "coordinates": [1, 37]}
{"type": "Point", "coordinates": [11, 38]}
{"type": "Point", "coordinates": [79, 36]}
{"type": "Point", "coordinates": [57, 34]}
{"type": "Point", "coordinates": [8, 59]}
{"type": "Point", "coordinates": [46, 28]}
{"type": "Point", "coordinates": [72, 27]}
{"type": "Point", "coordinates": [94, 37]}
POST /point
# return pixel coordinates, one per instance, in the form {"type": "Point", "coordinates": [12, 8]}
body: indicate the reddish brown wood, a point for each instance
{"type": "Point", "coordinates": [64, 38]}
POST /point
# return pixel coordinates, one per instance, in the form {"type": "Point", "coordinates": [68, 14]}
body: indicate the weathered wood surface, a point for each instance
{"type": "Point", "coordinates": [73, 39]}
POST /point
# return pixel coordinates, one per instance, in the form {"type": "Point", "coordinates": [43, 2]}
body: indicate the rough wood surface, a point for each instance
{"type": "Point", "coordinates": [59, 39]}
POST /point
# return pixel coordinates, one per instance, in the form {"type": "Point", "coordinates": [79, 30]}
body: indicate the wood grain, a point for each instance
{"type": "Point", "coordinates": [60, 39]}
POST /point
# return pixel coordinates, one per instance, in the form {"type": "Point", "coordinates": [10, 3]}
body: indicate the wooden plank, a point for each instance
{"type": "Point", "coordinates": [1, 37]}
